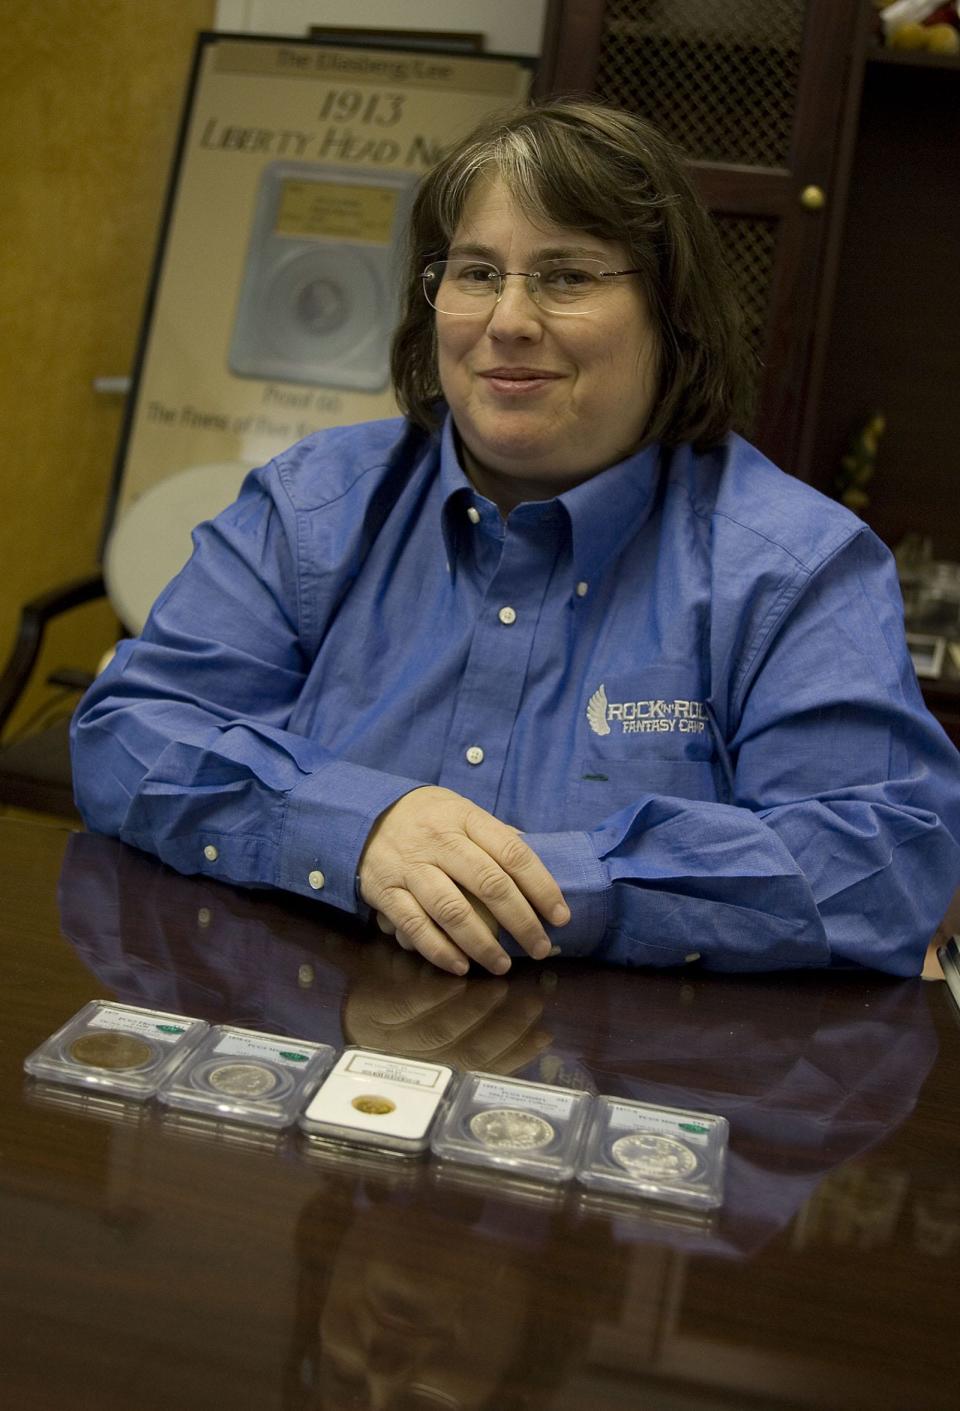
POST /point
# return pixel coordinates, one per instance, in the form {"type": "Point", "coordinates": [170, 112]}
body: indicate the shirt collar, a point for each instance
{"type": "Point", "coordinates": [604, 512]}
{"type": "Point", "coordinates": [607, 510]}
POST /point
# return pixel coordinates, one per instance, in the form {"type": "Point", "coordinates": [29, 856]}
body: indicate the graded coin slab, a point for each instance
{"type": "Point", "coordinates": [519, 1130]}
{"type": "Point", "coordinates": [512, 1129]}
{"type": "Point", "coordinates": [378, 1100]}
{"type": "Point", "coordinates": [239, 1075]}
{"type": "Point", "coordinates": [661, 1158]}
{"type": "Point", "coordinates": [122, 1049]}
{"type": "Point", "coordinates": [113, 1050]}
{"type": "Point", "coordinates": [644, 1152]}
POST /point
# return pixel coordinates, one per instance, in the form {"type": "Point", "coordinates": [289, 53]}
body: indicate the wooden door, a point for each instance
{"type": "Point", "coordinates": [762, 95]}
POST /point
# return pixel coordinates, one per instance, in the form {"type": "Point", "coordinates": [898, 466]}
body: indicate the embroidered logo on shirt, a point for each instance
{"type": "Point", "coordinates": [645, 717]}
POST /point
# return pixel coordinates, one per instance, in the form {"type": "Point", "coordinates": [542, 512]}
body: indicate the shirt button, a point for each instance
{"type": "Point", "coordinates": [211, 853]}
{"type": "Point", "coordinates": [473, 514]}
{"type": "Point", "coordinates": [689, 959]}
{"type": "Point", "coordinates": [582, 589]}
{"type": "Point", "coordinates": [316, 880]}
{"type": "Point", "coordinates": [474, 755]}
{"type": "Point", "coordinates": [506, 616]}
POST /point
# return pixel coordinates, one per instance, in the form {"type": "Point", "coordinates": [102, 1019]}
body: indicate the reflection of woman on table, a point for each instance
{"type": "Point", "coordinates": [188, 945]}
{"type": "Point", "coordinates": [560, 596]}
{"type": "Point", "coordinates": [436, 1302]}
{"type": "Point", "coordinates": [804, 1085]}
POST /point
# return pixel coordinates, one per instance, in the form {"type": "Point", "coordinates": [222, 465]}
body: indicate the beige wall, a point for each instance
{"type": "Point", "coordinates": [90, 97]}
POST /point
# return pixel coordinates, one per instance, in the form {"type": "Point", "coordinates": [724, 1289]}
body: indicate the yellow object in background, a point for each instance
{"type": "Point", "coordinates": [909, 36]}
{"type": "Point", "coordinates": [942, 39]}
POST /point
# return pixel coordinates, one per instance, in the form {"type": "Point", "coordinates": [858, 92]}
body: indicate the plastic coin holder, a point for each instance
{"type": "Point", "coordinates": [198, 1127]}
{"type": "Point", "coordinates": [377, 1100]}
{"type": "Point", "coordinates": [390, 1170]}
{"type": "Point", "coordinates": [490, 1183]}
{"type": "Point", "coordinates": [648, 1215]}
{"type": "Point", "coordinates": [529, 1130]}
{"type": "Point", "coordinates": [88, 1102]}
{"type": "Point", "coordinates": [116, 1048]}
{"type": "Point", "coordinates": [241, 1075]}
{"type": "Point", "coordinates": [665, 1154]}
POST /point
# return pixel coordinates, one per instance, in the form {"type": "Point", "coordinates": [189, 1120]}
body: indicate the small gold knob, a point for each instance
{"type": "Point", "coordinates": [812, 198]}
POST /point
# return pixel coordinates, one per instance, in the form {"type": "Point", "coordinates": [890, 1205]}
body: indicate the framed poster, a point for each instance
{"type": "Point", "coordinates": [275, 287]}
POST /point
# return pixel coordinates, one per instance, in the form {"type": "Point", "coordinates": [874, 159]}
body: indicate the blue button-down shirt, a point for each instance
{"type": "Point", "coordinates": [685, 679]}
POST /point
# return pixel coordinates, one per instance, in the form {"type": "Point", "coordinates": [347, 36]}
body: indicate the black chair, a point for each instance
{"type": "Point", "coordinates": [35, 764]}
{"type": "Point", "coordinates": [148, 543]}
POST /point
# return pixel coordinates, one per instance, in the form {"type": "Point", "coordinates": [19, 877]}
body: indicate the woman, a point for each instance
{"type": "Point", "coordinates": [559, 596]}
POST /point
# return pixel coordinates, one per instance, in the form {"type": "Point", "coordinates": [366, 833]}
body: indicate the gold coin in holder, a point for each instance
{"type": "Point", "coordinates": [373, 1105]}
{"type": "Point", "coordinates": [111, 1049]}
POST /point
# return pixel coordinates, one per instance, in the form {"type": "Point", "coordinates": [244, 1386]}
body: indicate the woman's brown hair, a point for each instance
{"type": "Point", "coordinates": [614, 176]}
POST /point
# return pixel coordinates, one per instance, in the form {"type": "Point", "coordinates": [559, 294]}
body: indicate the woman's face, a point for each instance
{"type": "Point", "coordinates": [543, 401]}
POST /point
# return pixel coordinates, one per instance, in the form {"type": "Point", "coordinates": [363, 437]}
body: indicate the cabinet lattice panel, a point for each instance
{"type": "Point", "coordinates": [719, 76]}
{"type": "Point", "coordinates": [748, 245]}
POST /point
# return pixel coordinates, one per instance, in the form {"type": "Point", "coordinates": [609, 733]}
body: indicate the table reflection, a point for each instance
{"type": "Point", "coordinates": [371, 1331]}
{"type": "Point", "coordinates": [810, 1069]}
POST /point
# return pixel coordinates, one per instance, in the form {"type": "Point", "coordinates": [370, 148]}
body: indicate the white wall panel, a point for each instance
{"type": "Point", "coordinates": [510, 26]}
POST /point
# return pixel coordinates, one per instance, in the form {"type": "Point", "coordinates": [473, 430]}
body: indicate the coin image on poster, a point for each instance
{"type": "Point", "coordinates": [660, 1158]}
{"type": "Point", "coordinates": [243, 1079]}
{"type": "Point", "coordinates": [113, 1050]}
{"type": "Point", "coordinates": [511, 1129]}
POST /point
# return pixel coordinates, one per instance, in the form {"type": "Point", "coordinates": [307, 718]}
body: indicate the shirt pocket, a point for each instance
{"type": "Point", "coordinates": [602, 787]}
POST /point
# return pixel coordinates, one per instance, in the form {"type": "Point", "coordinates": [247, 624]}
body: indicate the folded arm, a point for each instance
{"type": "Point", "coordinates": [838, 842]}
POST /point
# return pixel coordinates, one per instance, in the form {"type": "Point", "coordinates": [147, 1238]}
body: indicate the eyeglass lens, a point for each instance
{"type": "Point", "coordinates": [465, 286]}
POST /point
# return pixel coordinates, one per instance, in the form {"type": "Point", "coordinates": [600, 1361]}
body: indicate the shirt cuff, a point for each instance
{"type": "Point", "coordinates": [326, 823]}
{"type": "Point", "coordinates": [582, 877]}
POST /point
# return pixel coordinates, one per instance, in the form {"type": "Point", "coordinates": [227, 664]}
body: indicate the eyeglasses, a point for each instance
{"type": "Point", "coordinates": [465, 287]}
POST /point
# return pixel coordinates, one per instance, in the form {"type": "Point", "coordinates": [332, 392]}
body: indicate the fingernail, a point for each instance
{"type": "Point", "coordinates": [560, 915]}
{"type": "Point", "coordinates": [501, 966]}
{"type": "Point", "coordinates": [460, 967]}
{"type": "Point", "coordinates": [541, 950]}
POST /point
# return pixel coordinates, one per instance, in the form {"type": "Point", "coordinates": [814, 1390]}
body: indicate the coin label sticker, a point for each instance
{"type": "Point", "coordinates": [670, 1123]}
{"type": "Point", "coordinates": [165, 1030]}
{"type": "Point", "coordinates": [551, 1101]}
{"type": "Point", "coordinates": [286, 1051]}
{"type": "Point", "coordinates": [395, 1070]}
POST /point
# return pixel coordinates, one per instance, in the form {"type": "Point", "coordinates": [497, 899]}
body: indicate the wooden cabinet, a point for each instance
{"type": "Point", "coordinates": [830, 166]}
{"type": "Point", "coordinates": [761, 95]}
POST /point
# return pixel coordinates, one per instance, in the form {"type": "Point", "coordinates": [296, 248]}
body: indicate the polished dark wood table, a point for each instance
{"type": "Point", "coordinates": [146, 1264]}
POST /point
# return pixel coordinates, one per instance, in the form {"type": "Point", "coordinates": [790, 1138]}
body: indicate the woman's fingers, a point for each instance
{"type": "Point", "coordinates": [518, 861]}
{"type": "Point", "coordinates": [435, 915]}
{"type": "Point", "coordinates": [444, 871]}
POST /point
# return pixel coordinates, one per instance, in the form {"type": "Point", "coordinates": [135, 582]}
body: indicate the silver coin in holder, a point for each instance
{"type": "Point", "coordinates": [251, 1078]}
{"type": "Point", "coordinates": [511, 1129]}
{"type": "Point", "coordinates": [658, 1158]}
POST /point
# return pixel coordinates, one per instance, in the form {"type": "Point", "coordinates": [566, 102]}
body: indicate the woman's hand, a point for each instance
{"type": "Point", "coordinates": [444, 875]}
{"type": "Point", "coordinates": [399, 1004]}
